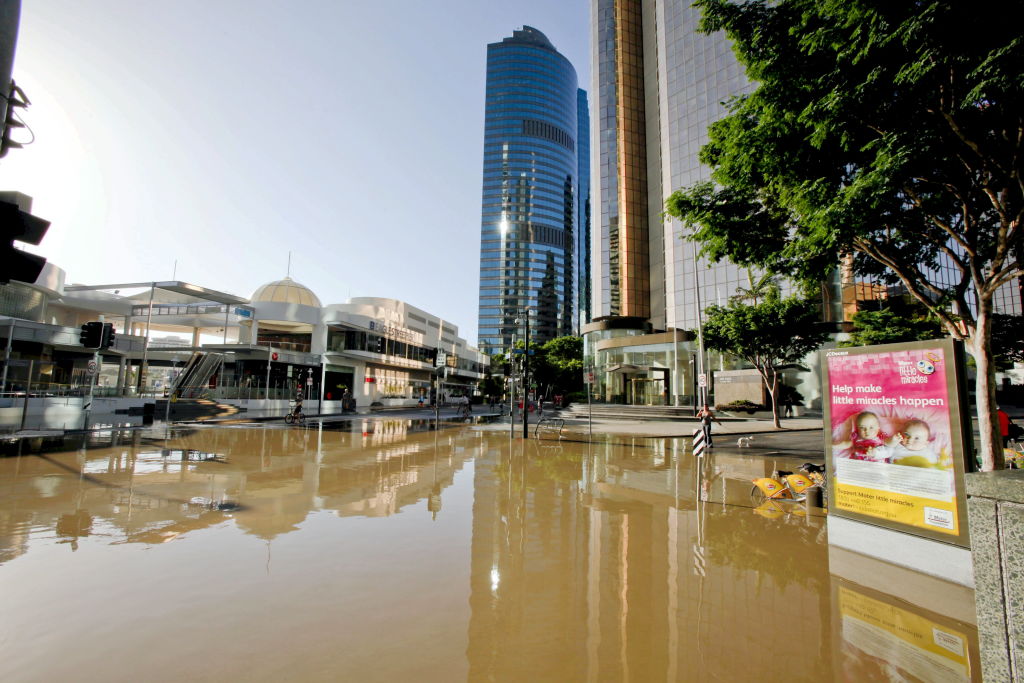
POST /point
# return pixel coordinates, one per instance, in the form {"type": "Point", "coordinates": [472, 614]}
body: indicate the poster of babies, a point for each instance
{"type": "Point", "coordinates": [895, 440]}
{"type": "Point", "coordinates": [891, 408]}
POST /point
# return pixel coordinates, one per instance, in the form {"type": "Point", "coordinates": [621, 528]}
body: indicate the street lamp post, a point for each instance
{"type": "Point", "coordinates": [526, 377]}
{"type": "Point", "coordinates": [512, 388]}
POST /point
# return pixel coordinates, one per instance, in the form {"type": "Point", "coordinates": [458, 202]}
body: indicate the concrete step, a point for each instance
{"type": "Point", "coordinates": [606, 411]}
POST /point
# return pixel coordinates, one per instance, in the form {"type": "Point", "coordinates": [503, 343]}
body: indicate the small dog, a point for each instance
{"type": "Point", "coordinates": [744, 441]}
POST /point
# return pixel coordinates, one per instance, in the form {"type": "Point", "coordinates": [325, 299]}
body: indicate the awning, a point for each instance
{"type": "Point", "coordinates": [175, 286]}
{"type": "Point", "coordinates": [624, 369]}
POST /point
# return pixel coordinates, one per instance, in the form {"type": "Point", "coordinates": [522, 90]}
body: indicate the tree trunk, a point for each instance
{"type": "Point", "coordinates": [985, 389]}
{"type": "Point", "coordinates": [772, 384]}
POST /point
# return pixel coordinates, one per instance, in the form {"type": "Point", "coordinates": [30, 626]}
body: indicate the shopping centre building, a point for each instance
{"type": "Point", "coordinates": [182, 339]}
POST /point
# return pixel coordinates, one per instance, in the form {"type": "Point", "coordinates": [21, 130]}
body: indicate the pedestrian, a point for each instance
{"type": "Point", "coordinates": [787, 402]}
{"type": "Point", "coordinates": [1004, 426]}
{"type": "Point", "coordinates": [705, 416]}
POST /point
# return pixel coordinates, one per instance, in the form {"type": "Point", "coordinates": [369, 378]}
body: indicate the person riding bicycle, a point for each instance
{"type": "Point", "coordinates": [298, 403]}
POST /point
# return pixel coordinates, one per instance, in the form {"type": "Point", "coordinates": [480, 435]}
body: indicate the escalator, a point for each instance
{"type": "Point", "coordinates": [194, 379]}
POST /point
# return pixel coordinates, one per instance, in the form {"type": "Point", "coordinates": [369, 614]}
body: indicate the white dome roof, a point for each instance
{"type": "Point", "coordinates": [286, 291]}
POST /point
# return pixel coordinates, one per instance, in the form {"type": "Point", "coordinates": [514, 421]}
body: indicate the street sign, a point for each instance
{"type": "Point", "coordinates": [442, 359]}
{"type": "Point", "coordinates": [702, 379]}
{"type": "Point", "coordinates": [588, 377]}
{"type": "Point", "coordinates": [91, 368]}
{"type": "Point", "coordinates": [309, 381]}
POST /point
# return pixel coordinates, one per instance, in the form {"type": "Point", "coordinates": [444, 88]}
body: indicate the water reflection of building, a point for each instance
{"type": "Point", "coordinates": [644, 581]}
{"type": "Point", "coordinates": [265, 481]}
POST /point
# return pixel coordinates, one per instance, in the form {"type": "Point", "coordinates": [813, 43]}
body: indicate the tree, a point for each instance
{"type": "Point", "coordinates": [1008, 339]}
{"type": "Point", "coordinates": [758, 288]}
{"type": "Point", "coordinates": [494, 376]}
{"type": "Point", "coordinates": [888, 326]}
{"type": "Point", "coordinates": [558, 365]}
{"type": "Point", "coordinates": [890, 132]}
{"type": "Point", "coordinates": [768, 334]}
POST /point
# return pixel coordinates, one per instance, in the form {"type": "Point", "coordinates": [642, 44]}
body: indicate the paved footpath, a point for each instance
{"type": "Point", "coordinates": [801, 435]}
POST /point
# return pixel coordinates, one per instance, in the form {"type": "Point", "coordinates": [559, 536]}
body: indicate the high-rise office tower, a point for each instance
{"type": "Point", "coordinates": [532, 188]}
{"type": "Point", "coordinates": [657, 86]}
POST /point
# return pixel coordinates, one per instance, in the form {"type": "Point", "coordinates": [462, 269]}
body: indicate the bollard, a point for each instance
{"type": "Point", "coordinates": [814, 499]}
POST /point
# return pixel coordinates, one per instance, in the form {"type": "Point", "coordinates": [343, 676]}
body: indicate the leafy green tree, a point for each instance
{"type": "Point", "coordinates": [494, 376]}
{"type": "Point", "coordinates": [558, 366]}
{"type": "Point", "coordinates": [1008, 339]}
{"type": "Point", "coordinates": [771, 333]}
{"type": "Point", "coordinates": [885, 131]}
{"type": "Point", "coordinates": [758, 289]}
{"type": "Point", "coordinates": [888, 326]}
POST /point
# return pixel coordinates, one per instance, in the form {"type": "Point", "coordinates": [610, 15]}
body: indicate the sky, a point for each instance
{"type": "Point", "coordinates": [204, 140]}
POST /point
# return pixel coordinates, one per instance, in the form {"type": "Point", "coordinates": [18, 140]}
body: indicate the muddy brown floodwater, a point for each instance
{"type": "Point", "coordinates": [384, 551]}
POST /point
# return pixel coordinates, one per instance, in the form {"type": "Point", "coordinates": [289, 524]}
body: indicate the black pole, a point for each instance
{"type": "Point", "coordinates": [526, 379]}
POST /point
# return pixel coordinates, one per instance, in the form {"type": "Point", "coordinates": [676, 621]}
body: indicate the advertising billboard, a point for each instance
{"type": "Point", "coordinates": [895, 446]}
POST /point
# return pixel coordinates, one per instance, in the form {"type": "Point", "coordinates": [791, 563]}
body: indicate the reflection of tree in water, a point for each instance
{"type": "Point", "coordinates": [788, 550]}
{"type": "Point", "coordinates": [543, 464]}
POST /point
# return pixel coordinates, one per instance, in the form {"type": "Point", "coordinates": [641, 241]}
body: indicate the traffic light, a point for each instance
{"type": "Point", "coordinates": [91, 335]}
{"type": "Point", "coordinates": [380, 344]}
{"type": "Point", "coordinates": [107, 337]}
{"type": "Point", "coordinates": [15, 99]}
{"type": "Point", "coordinates": [16, 224]}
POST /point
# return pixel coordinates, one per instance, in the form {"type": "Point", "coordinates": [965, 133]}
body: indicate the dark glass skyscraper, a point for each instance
{"type": "Point", "coordinates": [529, 237]}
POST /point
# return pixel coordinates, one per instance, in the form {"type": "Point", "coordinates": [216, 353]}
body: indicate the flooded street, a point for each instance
{"type": "Point", "coordinates": [381, 550]}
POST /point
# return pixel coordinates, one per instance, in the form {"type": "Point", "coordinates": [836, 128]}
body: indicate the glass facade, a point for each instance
{"type": "Point", "coordinates": [583, 251]}
{"type": "Point", "coordinates": [529, 238]}
{"type": "Point", "coordinates": [658, 85]}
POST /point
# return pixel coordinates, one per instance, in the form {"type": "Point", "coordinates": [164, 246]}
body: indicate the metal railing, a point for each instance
{"type": "Point", "coordinates": [549, 422]}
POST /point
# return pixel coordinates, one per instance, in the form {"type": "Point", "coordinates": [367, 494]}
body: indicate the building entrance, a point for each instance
{"type": "Point", "coordinates": [646, 391]}
{"type": "Point", "coordinates": [336, 383]}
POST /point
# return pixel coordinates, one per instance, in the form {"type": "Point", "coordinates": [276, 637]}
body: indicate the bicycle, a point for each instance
{"type": "Point", "coordinates": [1013, 454]}
{"type": "Point", "coordinates": [295, 418]}
{"type": "Point", "coordinates": [788, 486]}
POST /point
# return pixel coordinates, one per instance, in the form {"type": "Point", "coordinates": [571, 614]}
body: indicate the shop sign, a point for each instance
{"type": "Point", "coordinates": [895, 440]}
{"type": "Point", "coordinates": [391, 331]}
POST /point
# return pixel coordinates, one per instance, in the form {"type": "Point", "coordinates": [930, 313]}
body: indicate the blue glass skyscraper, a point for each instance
{"type": "Point", "coordinates": [529, 239]}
